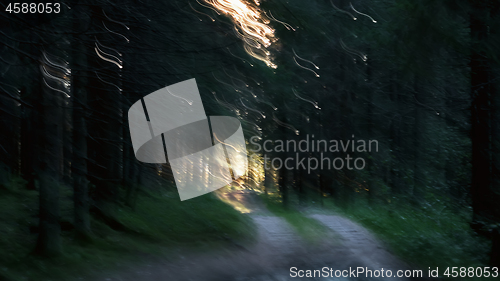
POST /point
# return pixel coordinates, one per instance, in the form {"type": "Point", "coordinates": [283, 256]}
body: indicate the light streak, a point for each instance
{"type": "Point", "coordinates": [50, 69]}
{"type": "Point", "coordinates": [317, 75]}
{"type": "Point", "coordinates": [208, 7]}
{"type": "Point", "coordinates": [315, 104]}
{"type": "Point", "coordinates": [246, 85]}
{"type": "Point", "coordinates": [286, 25]}
{"type": "Point", "coordinates": [374, 21]}
{"type": "Point", "coordinates": [46, 73]}
{"type": "Point", "coordinates": [250, 25]}
{"type": "Point", "coordinates": [106, 59]}
{"type": "Point", "coordinates": [61, 67]}
{"type": "Point", "coordinates": [57, 90]}
{"type": "Point", "coordinates": [226, 144]}
{"type": "Point", "coordinates": [115, 20]}
{"type": "Point", "coordinates": [115, 32]}
{"type": "Point", "coordinates": [236, 70]}
{"type": "Point", "coordinates": [238, 57]}
{"type": "Point", "coordinates": [268, 103]}
{"type": "Point", "coordinates": [354, 52]}
{"type": "Point", "coordinates": [343, 11]}
{"type": "Point", "coordinates": [232, 86]}
{"type": "Point", "coordinates": [106, 47]}
{"type": "Point", "coordinates": [186, 100]}
{"type": "Point", "coordinates": [200, 12]}
{"type": "Point", "coordinates": [67, 6]}
{"type": "Point", "coordinates": [254, 110]}
{"type": "Point", "coordinates": [119, 60]}
{"type": "Point", "coordinates": [119, 89]}
{"type": "Point", "coordinates": [285, 125]}
{"type": "Point", "coordinates": [304, 59]}
{"type": "Point", "coordinates": [226, 105]}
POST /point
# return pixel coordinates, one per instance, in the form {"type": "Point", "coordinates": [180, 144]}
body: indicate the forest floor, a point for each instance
{"type": "Point", "coordinates": [346, 245]}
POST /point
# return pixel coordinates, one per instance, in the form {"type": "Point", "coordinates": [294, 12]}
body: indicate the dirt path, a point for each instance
{"type": "Point", "coordinates": [277, 250]}
{"type": "Point", "coordinates": [363, 245]}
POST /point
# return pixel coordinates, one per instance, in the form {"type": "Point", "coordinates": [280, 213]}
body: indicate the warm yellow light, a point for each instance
{"type": "Point", "coordinates": [251, 27]}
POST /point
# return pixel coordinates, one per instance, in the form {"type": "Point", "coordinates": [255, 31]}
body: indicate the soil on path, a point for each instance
{"type": "Point", "coordinates": [277, 249]}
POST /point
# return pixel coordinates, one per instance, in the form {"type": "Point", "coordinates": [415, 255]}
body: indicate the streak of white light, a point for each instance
{"type": "Point", "coordinates": [238, 57]}
{"type": "Point", "coordinates": [115, 32]}
{"type": "Point", "coordinates": [106, 47]}
{"type": "Point", "coordinates": [286, 25]}
{"type": "Point", "coordinates": [46, 73]}
{"type": "Point", "coordinates": [374, 21]}
{"type": "Point", "coordinates": [106, 59]}
{"type": "Point", "coordinates": [354, 52]}
{"type": "Point", "coordinates": [115, 20]}
{"type": "Point", "coordinates": [186, 100]}
{"type": "Point", "coordinates": [200, 12]}
{"type": "Point", "coordinates": [61, 67]}
{"type": "Point", "coordinates": [304, 59]}
{"type": "Point", "coordinates": [343, 11]}
{"type": "Point", "coordinates": [317, 75]}
{"type": "Point", "coordinates": [251, 26]}
{"type": "Point", "coordinates": [285, 125]}
{"type": "Point", "coordinates": [254, 110]}
{"type": "Point", "coordinates": [208, 7]}
{"type": "Point", "coordinates": [119, 60]}
{"type": "Point", "coordinates": [315, 104]}
{"type": "Point", "coordinates": [57, 90]}
{"type": "Point", "coordinates": [119, 89]}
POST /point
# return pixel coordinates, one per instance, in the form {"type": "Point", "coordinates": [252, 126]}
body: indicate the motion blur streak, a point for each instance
{"type": "Point", "coordinates": [317, 67]}
{"type": "Point", "coordinates": [317, 75]}
{"type": "Point", "coordinates": [98, 52]}
{"type": "Point", "coordinates": [297, 132]}
{"type": "Point", "coordinates": [286, 25]}
{"type": "Point", "coordinates": [352, 7]}
{"type": "Point", "coordinates": [343, 11]}
{"type": "Point", "coordinates": [315, 104]}
{"type": "Point", "coordinates": [251, 25]}
{"type": "Point", "coordinates": [254, 110]}
{"type": "Point", "coordinates": [353, 52]}
{"type": "Point", "coordinates": [56, 71]}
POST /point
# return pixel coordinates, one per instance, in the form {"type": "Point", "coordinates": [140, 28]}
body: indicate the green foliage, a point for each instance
{"type": "Point", "coordinates": [310, 229]}
{"type": "Point", "coordinates": [201, 219]}
{"type": "Point", "coordinates": [428, 237]}
{"type": "Point", "coordinates": [158, 226]}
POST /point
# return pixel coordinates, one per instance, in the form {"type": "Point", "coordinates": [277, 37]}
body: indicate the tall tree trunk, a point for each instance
{"type": "Point", "coordinates": [80, 180]}
{"type": "Point", "coordinates": [50, 153]}
{"type": "Point", "coordinates": [418, 147]}
{"type": "Point", "coordinates": [484, 189]}
{"type": "Point", "coordinates": [481, 114]}
{"type": "Point", "coordinates": [268, 180]}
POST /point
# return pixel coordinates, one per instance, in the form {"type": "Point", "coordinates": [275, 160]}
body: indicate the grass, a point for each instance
{"type": "Point", "coordinates": [309, 229]}
{"type": "Point", "coordinates": [425, 237]}
{"type": "Point", "coordinates": [159, 226]}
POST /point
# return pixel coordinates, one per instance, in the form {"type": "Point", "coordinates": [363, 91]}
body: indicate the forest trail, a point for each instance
{"type": "Point", "coordinates": [277, 249]}
{"type": "Point", "coordinates": [362, 244]}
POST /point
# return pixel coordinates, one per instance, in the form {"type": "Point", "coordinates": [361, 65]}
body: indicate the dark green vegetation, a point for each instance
{"type": "Point", "coordinates": [158, 226]}
{"type": "Point", "coordinates": [421, 78]}
{"type": "Point", "coordinates": [427, 236]}
{"type": "Point", "coordinates": [423, 238]}
{"type": "Point", "coordinates": [310, 229]}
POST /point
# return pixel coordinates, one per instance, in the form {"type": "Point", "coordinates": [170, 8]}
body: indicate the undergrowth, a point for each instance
{"type": "Point", "coordinates": [159, 226]}
{"type": "Point", "coordinates": [310, 229]}
{"type": "Point", "coordinates": [423, 236]}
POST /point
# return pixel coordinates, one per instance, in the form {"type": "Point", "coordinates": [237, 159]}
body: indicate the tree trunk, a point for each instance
{"type": "Point", "coordinates": [50, 155]}
{"type": "Point", "coordinates": [80, 181]}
